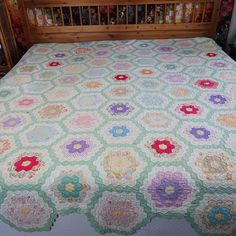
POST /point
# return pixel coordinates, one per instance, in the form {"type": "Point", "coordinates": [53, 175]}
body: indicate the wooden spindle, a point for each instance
{"type": "Point", "coordinates": [108, 15]}
{"type": "Point", "coordinates": [145, 16]}
{"type": "Point", "coordinates": [127, 14]}
{"type": "Point", "coordinates": [99, 20]}
{"type": "Point", "coordinates": [155, 14]}
{"type": "Point", "coordinates": [35, 18]}
{"type": "Point", "coordinates": [213, 7]}
{"type": "Point", "coordinates": [174, 16]}
{"type": "Point", "coordinates": [164, 15]}
{"type": "Point", "coordinates": [107, 7]}
{"type": "Point", "coordinates": [53, 18]}
{"type": "Point", "coordinates": [204, 10]}
{"type": "Point", "coordinates": [71, 18]}
{"type": "Point", "coordinates": [117, 14]}
{"type": "Point", "coordinates": [89, 11]}
{"type": "Point", "coordinates": [44, 19]}
{"type": "Point", "coordinates": [62, 17]}
{"type": "Point", "coordinates": [80, 16]}
{"type": "Point", "coordinates": [194, 11]}
{"type": "Point", "coordinates": [184, 10]}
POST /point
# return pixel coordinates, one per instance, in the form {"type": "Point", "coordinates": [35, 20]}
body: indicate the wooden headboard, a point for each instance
{"type": "Point", "coordinates": [73, 20]}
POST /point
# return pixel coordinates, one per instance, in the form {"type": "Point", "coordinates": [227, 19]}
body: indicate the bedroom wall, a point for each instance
{"type": "Point", "coordinates": [232, 30]}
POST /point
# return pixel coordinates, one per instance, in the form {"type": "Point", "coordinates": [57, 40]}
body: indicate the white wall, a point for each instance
{"type": "Point", "coordinates": [232, 30]}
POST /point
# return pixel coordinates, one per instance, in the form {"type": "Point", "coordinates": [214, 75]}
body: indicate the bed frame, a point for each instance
{"type": "Point", "coordinates": [73, 20]}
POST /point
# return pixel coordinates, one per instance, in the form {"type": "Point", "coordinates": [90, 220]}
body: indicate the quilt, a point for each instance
{"type": "Point", "coordinates": [121, 131]}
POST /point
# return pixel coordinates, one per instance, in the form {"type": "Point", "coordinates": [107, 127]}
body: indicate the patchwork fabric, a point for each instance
{"type": "Point", "coordinates": [121, 131]}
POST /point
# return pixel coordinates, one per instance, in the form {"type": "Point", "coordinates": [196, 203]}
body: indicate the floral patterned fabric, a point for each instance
{"type": "Point", "coordinates": [121, 131]}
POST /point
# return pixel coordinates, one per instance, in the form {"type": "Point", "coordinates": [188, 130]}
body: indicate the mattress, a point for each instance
{"type": "Point", "coordinates": [121, 132]}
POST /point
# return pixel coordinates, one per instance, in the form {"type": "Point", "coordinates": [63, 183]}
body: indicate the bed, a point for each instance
{"type": "Point", "coordinates": [123, 132]}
